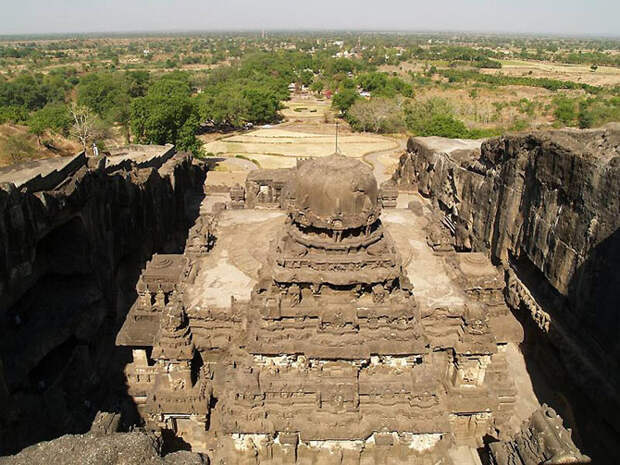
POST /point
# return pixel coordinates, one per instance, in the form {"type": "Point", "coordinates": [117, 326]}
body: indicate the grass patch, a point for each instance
{"type": "Point", "coordinates": [243, 157]}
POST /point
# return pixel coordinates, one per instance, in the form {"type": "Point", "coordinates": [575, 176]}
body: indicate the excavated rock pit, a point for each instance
{"type": "Point", "coordinates": [544, 208]}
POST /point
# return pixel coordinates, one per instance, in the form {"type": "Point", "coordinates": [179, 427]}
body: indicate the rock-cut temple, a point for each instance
{"type": "Point", "coordinates": [330, 358]}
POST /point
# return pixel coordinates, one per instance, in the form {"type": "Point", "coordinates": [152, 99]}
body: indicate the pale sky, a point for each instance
{"type": "Point", "coordinates": [598, 17]}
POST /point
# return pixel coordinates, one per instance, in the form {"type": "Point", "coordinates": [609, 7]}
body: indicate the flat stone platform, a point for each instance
{"type": "Point", "coordinates": [243, 237]}
{"type": "Point", "coordinates": [231, 267]}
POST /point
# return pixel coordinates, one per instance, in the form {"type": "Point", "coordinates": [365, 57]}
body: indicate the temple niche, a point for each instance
{"type": "Point", "coordinates": [329, 356]}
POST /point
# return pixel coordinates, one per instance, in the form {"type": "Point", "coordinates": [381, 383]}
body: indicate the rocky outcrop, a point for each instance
{"type": "Point", "coordinates": [547, 206]}
{"type": "Point", "coordinates": [542, 439]}
{"type": "Point", "coordinates": [92, 449]}
{"type": "Point", "coordinates": [69, 259]}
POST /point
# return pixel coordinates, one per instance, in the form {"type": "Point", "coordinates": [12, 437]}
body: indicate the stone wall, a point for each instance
{"type": "Point", "coordinates": [547, 206]}
{"type": "Point", "coordinates": [69, 260]}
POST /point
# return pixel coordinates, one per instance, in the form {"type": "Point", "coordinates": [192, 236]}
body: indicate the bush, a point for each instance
{"type": "Point", "coordinates": [434, 117]}
{"type": "Point", "coordinates": [565, 111]}
{"type": "Point", "coordinates": [444, 126]}
{"type": "Point", "coordinates": [488, 63]}
{"type": "Point", "coordinates": [13, 114]}
{"type": "Point", "coordinates": [55, 117]}
{"type": "Point", "coordinates": [418, 113]}
{"type": "Point", "coordinates": [597, 111]}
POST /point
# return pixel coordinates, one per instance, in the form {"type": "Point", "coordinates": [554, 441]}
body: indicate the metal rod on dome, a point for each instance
{"type": "Point", "coordinates": [336, 136]}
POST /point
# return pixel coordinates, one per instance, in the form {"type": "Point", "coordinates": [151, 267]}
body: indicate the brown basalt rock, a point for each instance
{"type": "Point", "coordinates": [543, 439]}
{"type": "Point", "coordinates": [388, 194]}
{"type": "Point", "coordinates": [108, 449]}
{"type": "Point", "coordinates": [70, 241]}
{"type": "Point", "coordinates": [237, 196]}
{"type": "Point", "coordinates": [266, 188]}
{"type": "Point", "coordinates": [545, 206]}
{"type": "Point", "coordinates": [335, 193]}
{"type": "Point", "coordinates": [329, 360]}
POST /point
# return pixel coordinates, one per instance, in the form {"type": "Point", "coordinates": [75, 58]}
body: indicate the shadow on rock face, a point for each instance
{"type": "Point", "coordinates": [564, 378]}
{"type": "Point", "coordinates": [80, 253]}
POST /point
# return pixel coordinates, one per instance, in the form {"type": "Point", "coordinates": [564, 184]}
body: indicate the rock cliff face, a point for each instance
{"type": "Point", "coordinates": [69, 259]}
{"type": "Point", "coordinates": [547, 206]}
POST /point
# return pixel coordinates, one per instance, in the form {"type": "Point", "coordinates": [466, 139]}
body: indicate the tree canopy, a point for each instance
{"type": "Point", "coordinates": [167, 114]}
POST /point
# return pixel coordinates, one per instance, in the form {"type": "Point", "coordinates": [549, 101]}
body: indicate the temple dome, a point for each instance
{"type": "Point", "coordinates": [334, 192]}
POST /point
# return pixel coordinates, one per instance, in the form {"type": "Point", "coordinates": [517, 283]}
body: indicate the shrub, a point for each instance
{"type": "Point", "coordinates": [444, 126]}
{"type": "Point", "coordinates": [13, 114]}
{"type": "Point", "coordinates": [565, 111]}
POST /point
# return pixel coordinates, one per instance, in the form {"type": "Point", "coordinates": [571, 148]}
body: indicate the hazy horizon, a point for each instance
{"type": "Point", "coordinates": [571, 17]}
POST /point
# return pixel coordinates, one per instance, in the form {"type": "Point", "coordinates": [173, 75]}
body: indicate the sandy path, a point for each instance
{"type": "Point", "coordinates": [382, 170]}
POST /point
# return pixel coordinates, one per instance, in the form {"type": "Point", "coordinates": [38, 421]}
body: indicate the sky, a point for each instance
{"type": "Point", "coordinates": [570, 17]}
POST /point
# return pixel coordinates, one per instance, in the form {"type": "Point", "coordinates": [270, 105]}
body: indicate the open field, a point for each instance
{"type": "Point", "coordinates": [279, 148]}
{"type": "Point", "coordinates": [304, 134]}
{"type": "Point", "coordinates": [489, 107]}
{"type": "Point", "coordinates": [603, 76]}
{"type": "Point", "coordinates": [306, 109]}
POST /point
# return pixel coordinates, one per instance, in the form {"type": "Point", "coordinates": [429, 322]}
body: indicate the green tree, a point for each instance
{"type": "Point", "coordinates": [263, 105]}
{"type": "Point", "coordinates": [33, 91]}
{"type": "Point", "coordinates": [372, 82]}
{"type": "Point", "coordinates": [344, 99]}
{"type": "Point", "coordinates": [317, 87]}
{"type": "Point", "coordinates": [306, 77]}
{"type": "Point", "coordinates": [137, 83]}
{"type": "Point", "coordinates": [166, 114]}
{"type": "Point", "coordinates": [225, 108]}
{"type": "Point", "coordinates": [101, 92]}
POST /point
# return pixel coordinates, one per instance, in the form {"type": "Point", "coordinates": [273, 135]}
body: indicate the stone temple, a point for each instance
{"type": "Point", "coordinates": [331, 358]}
{"type": "Point", "coordinates": [459, 310]}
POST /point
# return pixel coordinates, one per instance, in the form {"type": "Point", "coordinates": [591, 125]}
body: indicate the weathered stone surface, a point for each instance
{"type": "Point", "coordinates": [111, 449]}
{"type": "Point", "coordinates": [542, 439]}
{"type": "Point", "coordinates": [330, 359]}
{"type": "Point", "coordinates": [546, 205]}
{"type": "Point", "coordinates": [69, 256]}
{"type": "Point", "coordinates": [321, 354]}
